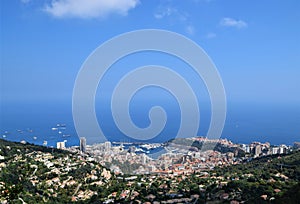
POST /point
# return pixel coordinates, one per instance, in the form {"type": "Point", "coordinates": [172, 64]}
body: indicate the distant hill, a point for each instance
{"type": "Point", "coordinates": [209, 145]}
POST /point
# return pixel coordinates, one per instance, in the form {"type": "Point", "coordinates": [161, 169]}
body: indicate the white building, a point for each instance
{"type": "Point", "coordinates": [282, 149]}
{"type": "Point", "coordinates": [107, 146]}
{"type": "Point", "coordinates": [275, 150]}
{"type": "Point", "coordinates": [60, 145]}
{"type": "Point", "coordinates": [144, 158]}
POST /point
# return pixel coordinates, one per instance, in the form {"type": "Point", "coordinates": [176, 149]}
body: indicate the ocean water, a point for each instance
{"type": "Point", "coordinates": [33, 122]}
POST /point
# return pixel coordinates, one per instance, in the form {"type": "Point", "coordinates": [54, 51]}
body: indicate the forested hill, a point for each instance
{"type": "Point", "coordinates": [9, 149]}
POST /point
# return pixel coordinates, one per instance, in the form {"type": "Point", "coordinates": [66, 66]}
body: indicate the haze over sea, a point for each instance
{"type": "Point", "coordinates": [244, 124]}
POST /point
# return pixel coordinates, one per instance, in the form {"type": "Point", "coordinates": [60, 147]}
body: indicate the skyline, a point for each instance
{"type": "Point", "coordinates": [254, 46]}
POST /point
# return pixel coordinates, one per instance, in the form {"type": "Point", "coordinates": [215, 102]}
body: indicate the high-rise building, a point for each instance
{"type": "Point", "coordinates": [257, 150]}
{"type": "Point", "coordinates": [82, 144]}
{"type": "Point", "coordinates": [144, 158]}
{"type": "Point", "coordinates": [107, 146]}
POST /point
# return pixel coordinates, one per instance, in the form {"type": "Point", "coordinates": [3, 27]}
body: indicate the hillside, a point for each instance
{"type": "Point", "coordinates": [35, 174]}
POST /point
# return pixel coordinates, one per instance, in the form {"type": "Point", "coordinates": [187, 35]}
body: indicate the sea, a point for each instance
{"type": "Point", "coordinates": [37, 122]}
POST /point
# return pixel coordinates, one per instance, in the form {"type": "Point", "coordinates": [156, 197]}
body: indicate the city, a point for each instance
{"type": "Point", "coordinates": [179, 159]}
{"type": "Point", "coordinates": [191, 177]}
{"type": "Point", "coordinates": [149, 102]}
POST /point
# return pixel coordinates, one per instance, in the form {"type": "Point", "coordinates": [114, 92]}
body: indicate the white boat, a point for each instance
{"type": "Point", "coordinates": [29, 130]}
{"type": "Point", "coordinates": [139, 150]}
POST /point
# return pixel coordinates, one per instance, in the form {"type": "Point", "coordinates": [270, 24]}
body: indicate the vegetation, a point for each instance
{"type": "Point", "coordinates": [209, 145]}
{"type": "Point", "coordinates": [35, 174]}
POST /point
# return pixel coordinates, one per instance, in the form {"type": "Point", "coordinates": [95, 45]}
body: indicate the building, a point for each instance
{"type": "Point", "coordinates": [60, 145]}
{"type": "Point", "coordinates": [282, 149]}
{"type": "Point", "coordinates": [297, 145]}
{"type": "Point", "coordinates": [82, 144]}
{"type": "Point", "coordinates": [144, 158]}
{"type": "Point", "coordinates": [275, 150]}
{"type": "Point", "coordinates": [257, 150]}
{"type": "Point", "coordinates": [45, 143]}
{"type": "Point", "coordinates": [246, 148]}
{"type": "Point", "coordinates": [107, 146]}
{"type": "Point", "coordinates": [131, 149]}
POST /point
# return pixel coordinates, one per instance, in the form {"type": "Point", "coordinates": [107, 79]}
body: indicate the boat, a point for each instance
{"type": "Point", "coordinates": [139, 150]}
{"type": "Point", "coordinates": [20, 131]}
{"type": "Point", "coordinates": [150, 146]}
{"type": "Point", "coordinates": [29, 130]}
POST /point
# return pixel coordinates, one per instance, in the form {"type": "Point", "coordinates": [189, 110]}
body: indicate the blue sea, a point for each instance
{"type": "Point", "coordinates": [34, 123]}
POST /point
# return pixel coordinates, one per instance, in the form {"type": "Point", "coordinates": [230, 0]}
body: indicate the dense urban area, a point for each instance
{"type": "Point", "coordinates": [189, 172]}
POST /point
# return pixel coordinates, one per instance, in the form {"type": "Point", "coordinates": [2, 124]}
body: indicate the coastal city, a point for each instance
{"type": "Point", "coordinates": [149, 102]}
{"type": "Point", "coordinates": [128, 173]}
{"type": "Point", "coordinates": [174, 156]}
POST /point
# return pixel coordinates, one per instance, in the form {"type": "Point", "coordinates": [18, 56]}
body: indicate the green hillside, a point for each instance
{"type": "Point", "coordinates": [35, 174]}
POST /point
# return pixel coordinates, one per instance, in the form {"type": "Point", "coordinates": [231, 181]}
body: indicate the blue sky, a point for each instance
{"type": "Point", "coordinates": [253, 43]}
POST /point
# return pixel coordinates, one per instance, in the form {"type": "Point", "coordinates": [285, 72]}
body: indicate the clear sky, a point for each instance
{"type": "Point", "coordinates": [255, 44]}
